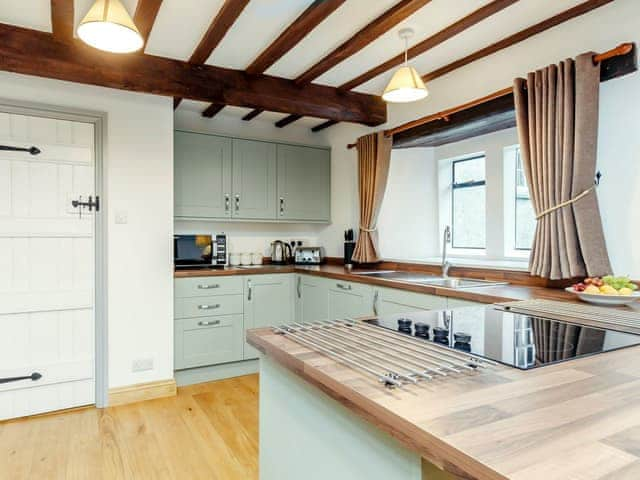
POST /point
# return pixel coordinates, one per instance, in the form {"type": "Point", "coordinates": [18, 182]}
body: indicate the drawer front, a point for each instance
{"type": "Point", "coordinates": [208, 306]}
{"type": "Point", "coordinates": [207, 341]}
{"type": "Point", "coordinates": [349, 287]}
{"type": "Point", "coordinates": [206, 286]}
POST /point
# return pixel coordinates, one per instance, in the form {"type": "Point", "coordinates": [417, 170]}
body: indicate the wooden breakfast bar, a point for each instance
{"type": "Point", "coordinates": [321, 419]}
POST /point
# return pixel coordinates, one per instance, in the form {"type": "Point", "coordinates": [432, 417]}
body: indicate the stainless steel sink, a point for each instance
{"type": "Point", "coordinates": [433, 280]}
{"type": "Point", "coordinates": [452, 282]}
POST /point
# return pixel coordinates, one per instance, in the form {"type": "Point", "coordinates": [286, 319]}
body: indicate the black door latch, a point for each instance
{"type": "Point", "coordinates": [33, 377]}
{"type": "Point", "coordinates": [91, 204]}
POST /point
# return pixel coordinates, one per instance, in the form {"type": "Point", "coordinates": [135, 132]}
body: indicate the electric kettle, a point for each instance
{"type": "Point", "coordinates": [280, 252]}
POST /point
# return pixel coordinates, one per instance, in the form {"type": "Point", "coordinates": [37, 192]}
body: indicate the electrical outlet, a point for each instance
{"type": "Point", "coordinates": [142, 364]}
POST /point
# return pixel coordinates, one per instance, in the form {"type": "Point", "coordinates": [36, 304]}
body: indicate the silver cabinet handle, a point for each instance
{"type": "Point", "coordinates": [250, 290]}
{"type": "Point", "coordinates": [298, 286]}
{"type": "Point", "coordinates": [208, 307]}
{"type": "Point", "coordinates": [208, 286]}
{"type": "Point", "coordinates": [281, 206]}
{"type": "Point", "coordinates": [237, 202]}
{"type": "Point", "coordinates": [209, 323]}
{"type": "Point", "coordinates": [375, 302]}
{"type": "Point", "coordinates": [227, 202]}
{"type": "Point", "coordinates": [342, 286]}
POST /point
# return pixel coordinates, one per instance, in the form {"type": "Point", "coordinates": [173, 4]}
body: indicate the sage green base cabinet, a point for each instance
{"type": "Point", "coordinates": [349, 300]}
{"type": "Point", "coordinates": [221, 178]}
{"type": "Point", "coordinates": [207, 341]}
{"type": "Point", "coordinates": [312, 299]}
{"type": "Point", "coordinates": [390, 301]}
{"type": "Point", "coordinates": [268, 300]}
{"type": "Point", "coordinates": [208, 321]}
{"type": "Point", "coordinates": [213, 314]}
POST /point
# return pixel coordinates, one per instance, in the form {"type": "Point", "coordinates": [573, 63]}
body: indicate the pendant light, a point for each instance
{"type": "Point", "coordinates": [109, 27]}
{"type": "Point", "coordinates": [406, 85]}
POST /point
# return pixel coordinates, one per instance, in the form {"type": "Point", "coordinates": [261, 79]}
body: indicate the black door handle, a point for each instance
{"type": "Point", "coordinates": [33, 377]}
{"type": "Point", "coordinates": [31, 150]}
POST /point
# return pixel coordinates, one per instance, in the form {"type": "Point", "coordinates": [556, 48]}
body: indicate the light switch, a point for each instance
{"type": "Point", "coordinates": [121, 217]}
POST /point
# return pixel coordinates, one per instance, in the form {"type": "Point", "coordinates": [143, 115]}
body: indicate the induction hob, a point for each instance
{"type": "Point", "coordinates": [517, 340]}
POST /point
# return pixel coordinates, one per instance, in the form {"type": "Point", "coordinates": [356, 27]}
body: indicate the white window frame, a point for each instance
{"type": "Point", "coordinates": [510, 249]}
{"type": "Point", "coordinates": [445, 207]}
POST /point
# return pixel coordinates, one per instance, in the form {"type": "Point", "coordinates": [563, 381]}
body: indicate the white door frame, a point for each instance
{"type": "Point", "coordinates": [99, 120]}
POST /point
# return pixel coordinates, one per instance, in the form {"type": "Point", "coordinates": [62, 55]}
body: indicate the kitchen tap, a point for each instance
{"type": "Point", "coordinates": [446, 238]}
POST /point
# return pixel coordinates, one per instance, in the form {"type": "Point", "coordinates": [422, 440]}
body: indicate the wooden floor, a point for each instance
{"type": "Point", "coordinates": [208, 431]}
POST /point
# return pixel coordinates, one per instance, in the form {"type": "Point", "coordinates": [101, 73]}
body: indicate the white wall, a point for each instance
{"type": "Point", "coordinates": [250, 237]}
{"type": "Point", "coordinates": [600, 30]}
{"type": "Point", "coordinates": [408, 214]}
{"type": "Point", "coordinates": [139, 164]}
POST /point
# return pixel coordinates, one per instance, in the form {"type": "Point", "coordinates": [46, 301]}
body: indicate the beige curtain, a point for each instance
{"type": "Point", "coordinates": [557, 117]}
{"type": "Point", "coordinates": [374, 155]}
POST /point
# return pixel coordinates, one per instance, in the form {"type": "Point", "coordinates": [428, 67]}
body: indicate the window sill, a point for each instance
{"type": "Point", "coordinates": [515, 264]}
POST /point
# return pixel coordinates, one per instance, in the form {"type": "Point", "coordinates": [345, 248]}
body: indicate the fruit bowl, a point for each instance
{"type": "Point", "coordinates": [602, 299]}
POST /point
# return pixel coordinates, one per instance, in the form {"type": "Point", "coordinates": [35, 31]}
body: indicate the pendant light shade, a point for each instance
{"type": "Point", "coordinates": [109, 27]}
{"type": "Point", "coordinates": [406, 85]}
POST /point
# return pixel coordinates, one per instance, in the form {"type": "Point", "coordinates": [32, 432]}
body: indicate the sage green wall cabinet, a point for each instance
{"type": "Point", "coordinates": [202, 175]}
{"type": "Point", "coordinates": [389, 301]}
{"type": "Point", "coordinates": [349, 300]}
{"type": "Point", "coordinates": [268, 301]}
{"type": "Point", "coordinates": [304, 183]}
{"type": "Point", "coordinates": [254, 180]}
{"type": "Point", "coordinates": [207, 340]}
{"type": "Point", "coordinates": [230, 178]}
{"type": "Point", "coordinates": [312, 298]}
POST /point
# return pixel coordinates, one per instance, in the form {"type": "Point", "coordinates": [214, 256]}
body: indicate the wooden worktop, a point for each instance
{"type": "Point", "coordinates": [578, 419]}
{"type": "Point", "coordinates": [499, 293]}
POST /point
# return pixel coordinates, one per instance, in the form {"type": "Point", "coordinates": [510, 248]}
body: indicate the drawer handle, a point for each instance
{"type": "Point", "coordinates": [208, 307]}
{"type": "Point", "coordinates": [209, 323]}
{"type": "Point", "coordinates": [206, 286]}
{"type": "Point", "coordinates": [343, 286]}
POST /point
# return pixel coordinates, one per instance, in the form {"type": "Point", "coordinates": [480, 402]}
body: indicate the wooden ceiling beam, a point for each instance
{"type": "Point", "coordinates": [324, 125]}
{"type": "Point", "coordinates": [224, 19]}
{"type": "Point", "coordinates": [518, 37]}
{"type": "Point", "coordinates": [363, 37]}
{"type": "Point", "coordinates": [62, 19]}
{"type": "Point", "coordinates": [145, 16]}
{"type": "Point", "coordinates": [315, 13]}
{"type": "Point", "coordinates": [434, 40]}
{"type": "Point", "coordinates": [33, 52]}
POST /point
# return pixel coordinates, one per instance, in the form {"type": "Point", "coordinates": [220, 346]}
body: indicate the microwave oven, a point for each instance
{"type": "Point", "coordinates": [204, 251]}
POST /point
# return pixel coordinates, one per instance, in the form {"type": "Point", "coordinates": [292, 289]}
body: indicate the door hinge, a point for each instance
{"type": "Point", "coordinates": [33, 377]}
{"type": "Point", "coordinates": [31, 150]}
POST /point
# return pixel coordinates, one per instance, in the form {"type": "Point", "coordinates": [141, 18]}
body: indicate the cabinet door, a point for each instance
{"type": "Point", "coordinates": [312, 299]}
{"type": "Point", "coordinates": [268, 301]}
{"type": "Point", "coordinates": [254, 179]}
{"type": "Point", "coordinates": [202, 175]}
{"type": "Point", "coordinates": [390, 301]}
{"type": "Point", "coordinates": [304, 183]}
{"type": "Point", "coordinates": [349, 300]}
{"type": "Point", "coordinates": [207, 341]}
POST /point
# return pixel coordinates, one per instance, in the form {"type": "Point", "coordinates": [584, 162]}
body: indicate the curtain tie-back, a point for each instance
{"type": "Point", "coordinates": [565, 203]}
{"type": "Point", "coordinates": [369, 230]}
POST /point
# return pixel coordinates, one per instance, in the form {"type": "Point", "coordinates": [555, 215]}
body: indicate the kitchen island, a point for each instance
{"type": "Point", "coordinates": [320, 419]}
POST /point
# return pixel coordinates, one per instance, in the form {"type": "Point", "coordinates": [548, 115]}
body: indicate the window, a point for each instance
{"type": "Point", "coordinates": [525, 219]}
{"type": "Point", "coordinates": [468, 216]}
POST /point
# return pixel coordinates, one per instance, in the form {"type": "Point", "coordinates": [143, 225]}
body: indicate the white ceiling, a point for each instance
{"type": "Point", "coordinates": [181, 23]}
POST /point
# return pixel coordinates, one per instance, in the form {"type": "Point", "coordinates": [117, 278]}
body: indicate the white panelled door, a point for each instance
{"type": "Point", "coordinates": [46, 265]}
